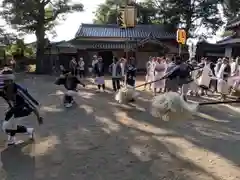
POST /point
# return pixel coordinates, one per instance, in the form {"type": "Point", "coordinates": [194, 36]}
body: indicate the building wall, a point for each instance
{"type": "Point", "coordinates": [143, 57]}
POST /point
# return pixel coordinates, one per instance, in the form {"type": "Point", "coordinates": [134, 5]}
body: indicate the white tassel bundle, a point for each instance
{"type": "Point", "coordinates": [126, 94]}
{"type": "Point", "coordinates": [171, 106]}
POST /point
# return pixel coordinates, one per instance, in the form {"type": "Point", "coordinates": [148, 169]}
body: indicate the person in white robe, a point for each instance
{"type": "Point", "coordinates": [218, 65]}
{"type": "Point", "coordinates": [234, 80]}
{"type": "Point", "coordinates": [123, 70]}
{"type": "Point", "coordinates": [148, 76]}
{"type": "Point", "coordinates": [205, 78]}
{"type": "Point", "coordinates": [223, 75]}
{"type": "Point", "coordinates": [193, 86]}
{"type": "Point", "coordinates": [159, 71]}
{"type": "Point", "coordinates": [152, 70]}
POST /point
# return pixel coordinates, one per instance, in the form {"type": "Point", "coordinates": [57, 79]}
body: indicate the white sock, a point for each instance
{"type": "Point", "coordinates": [30, 132]}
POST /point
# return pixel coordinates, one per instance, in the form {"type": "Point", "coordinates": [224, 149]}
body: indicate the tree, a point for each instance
{"type": "Point", "coordinates": [191, 14]}
{"type": "Point", "coordinates": [231, 8]}
{"type": "Point", "coordinates": [37, 16]}
{"type": "Point", "coordinates": [108, 11]}
{"type": "Point", "coordinates": [18, 50]}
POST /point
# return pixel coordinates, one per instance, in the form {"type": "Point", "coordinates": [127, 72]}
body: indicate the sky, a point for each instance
{"type": "Point", "coordinates": [67, 29]}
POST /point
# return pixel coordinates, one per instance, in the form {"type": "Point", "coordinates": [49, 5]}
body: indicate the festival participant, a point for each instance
{"type": "Point", "coordinates": [21, 104]}
{"type": "Point", "coordinates": [179, 76]}
{"type": "Point", "coordinates": [223, 75]}
{"type": "Point", "coordinates": [98, 70]}
{"type": "Point", "coordinates": [193, 86]}
{"type": "Point", "coordinates": [73, 66]}
{"type": "Point", "coordinates": [70, 82]}
{"type": "Point", "coordinates": [205, 78]}
{"type": "Point", "coordinates": [115, 70]}
{"type": "Point", "coordinates": [131, 73]}
{"type": "Point", "coordinates": [81, 67]}
{"type": "Point", "coordinates": [148, 76]}
{"type": "Point", "coordinates": [159, 68]}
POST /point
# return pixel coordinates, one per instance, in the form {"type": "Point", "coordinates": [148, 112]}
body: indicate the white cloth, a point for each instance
{"type": "Point", "coordinates": [11, 124]}
{"type": "Point", "coordinates": [222, 85]}
{"type": "Point", "coordinates": [100, 80]}
{"type": "Point", "coordinates": [148, 77]}
{"type": "Point", "coordinates": [159, 69]}
{"type": "Point", "coordinates": [217, 67]}
{"type": "Point", "coordinates": [234, 68]}
{"type": "Point", "coordinates": [122, 65]}
{"type": "Point", "coordinates": [193, 86]}
{"type": "Point", "coordinates": [94, 62]}
{"type": "Point", "coordinates": [205, 78]}
{"type": "Point", "coordinates": [71, 93]}
{"type": "Point", "coordinates": [81, 65]}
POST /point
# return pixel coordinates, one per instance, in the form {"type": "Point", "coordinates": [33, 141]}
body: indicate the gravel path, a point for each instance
{"type": "Point", "coordinates": [101, 140]}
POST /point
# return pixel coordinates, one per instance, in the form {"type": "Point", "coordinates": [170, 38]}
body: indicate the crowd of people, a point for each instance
{"type": "Point", "coordinates": [222, 77]}
{"type": "Point", "coordinates": [195, 78]}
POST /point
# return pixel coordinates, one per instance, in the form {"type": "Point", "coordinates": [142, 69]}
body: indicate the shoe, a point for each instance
{"type": "Point", "coordinates": [30, 132]}
{"type": "Point", "coordinates": [132, 100]}
{"type": "Point", "coordinates": [11, 140]}
{"type": "Point", "coordinates": [68, 105]}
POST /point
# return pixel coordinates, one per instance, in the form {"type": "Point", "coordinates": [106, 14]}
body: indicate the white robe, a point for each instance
{"type": "Point", "coordinates": [222, 85]}
{"type": "Point", "coordinates": [151, 72]}
{"type": "Point", "coordinates": [148, 77]}
{"type": "Point", "coordinates": [205, 78]}
{"type": "Point", "coordinates": [193, 86]}
{"type": "Point", "coordinates": [159, 69]}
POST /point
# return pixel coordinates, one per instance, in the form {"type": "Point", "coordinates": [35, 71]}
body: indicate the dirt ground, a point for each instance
{"type": "Point", "coordinates": [101, 140]}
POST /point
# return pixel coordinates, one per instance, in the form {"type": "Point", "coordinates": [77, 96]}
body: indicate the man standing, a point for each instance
{"type": "Point", "coordinates": [81, 68]}
{"type": "Point", "coordinates": [223, 74]}
{"type": "Point", "coordinates": [98, 70]}
{"type": "Point", "coordinates": [115, 69]}
{"type": "Point", "coordinates": [73, 66]}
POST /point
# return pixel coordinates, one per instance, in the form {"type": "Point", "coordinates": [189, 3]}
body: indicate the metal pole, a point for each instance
{"type": "Point", "coordinates": [179, 49]}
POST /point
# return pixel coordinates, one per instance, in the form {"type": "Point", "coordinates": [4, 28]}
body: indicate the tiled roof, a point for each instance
{"type": "Point", "coordinates": [229, 41]}
{"type": "Point", "coordinates": [233, 23]}
{"type": "Point", "coordinates": [97, 45]}
{"type": "Point", "coordinates": [112, 30]}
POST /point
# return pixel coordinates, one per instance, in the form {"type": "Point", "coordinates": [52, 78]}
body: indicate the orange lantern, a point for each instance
{"type": "Point", "coordinates": [181, 36]}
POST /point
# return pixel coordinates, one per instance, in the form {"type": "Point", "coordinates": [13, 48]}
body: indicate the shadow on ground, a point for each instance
{"type": "Point", "coordinates": [99, 139]}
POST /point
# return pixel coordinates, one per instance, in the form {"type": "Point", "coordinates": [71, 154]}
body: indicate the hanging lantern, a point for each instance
{"type": "Point", "coordinates": [181, 36]}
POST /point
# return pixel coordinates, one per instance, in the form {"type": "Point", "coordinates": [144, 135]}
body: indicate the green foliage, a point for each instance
{"type": "Point", "coordinates": [108, 11]}
{"type": "Point", "coordinates": [231, 8]}
{"type": "Point", "coordinates": [227, 34]}
{"type": "Point", "coordinates": [191, 14]}
{"type": "Point", "coordinates": [19, 50]}
{"type": "Point", "coordinates": [37, 16]}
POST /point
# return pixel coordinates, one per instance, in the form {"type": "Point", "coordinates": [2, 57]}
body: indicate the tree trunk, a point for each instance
{"type": "Point", "coordinates": [40, 34]}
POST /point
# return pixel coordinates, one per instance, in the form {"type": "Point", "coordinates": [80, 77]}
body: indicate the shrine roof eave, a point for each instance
{"type": "Point", "coordinates": [234, 23]}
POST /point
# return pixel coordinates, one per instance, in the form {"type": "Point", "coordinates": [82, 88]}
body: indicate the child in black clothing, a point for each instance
{"type": "Point", "coordinates": [70, 82]}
